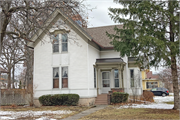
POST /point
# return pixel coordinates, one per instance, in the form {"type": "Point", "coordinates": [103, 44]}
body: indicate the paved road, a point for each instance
{"type": "Point", "coordinates": [86, 112]}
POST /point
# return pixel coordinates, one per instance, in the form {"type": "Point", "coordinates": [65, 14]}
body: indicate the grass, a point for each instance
{"type": "Point", "coordinates": [170, 102]}
{"type": "Point", "coordinates": [131, 113]}
{"type": "Point", "coordinates": [74, 109]}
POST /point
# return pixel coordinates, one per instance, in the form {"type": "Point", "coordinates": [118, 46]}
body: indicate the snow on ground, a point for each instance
{"type": "Point", "coordinates": [158, 104]}
{"type": "Point", "coordinates": [15, 115]}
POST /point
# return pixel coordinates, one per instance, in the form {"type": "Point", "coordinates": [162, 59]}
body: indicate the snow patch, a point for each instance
{"type": "Point", "coordinates": [158, 104]}
{"type": "Point", "coordinates": [16, 115]}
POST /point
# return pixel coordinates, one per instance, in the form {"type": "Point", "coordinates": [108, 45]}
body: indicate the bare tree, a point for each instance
{"type": "Point", "coordinates": [12, 53]}
{"type": "Point", "coordinates": [135, 86]}
{"type": "Point", "coordinates": [166, 77]}
{"type": "Point", "coordinates": [26, 17]}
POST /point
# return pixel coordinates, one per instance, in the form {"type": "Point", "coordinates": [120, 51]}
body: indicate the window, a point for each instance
{"type": "Point", "coordinates": [64, 77]}
{"type": "Point", "coordinates": [151, 85]}
{"type": "Point", "coordinates": [55, 77]}
{"type": "Point", "coordinates": [116, 78]}
{"type": "Point", "coordinates": [94, 77]}
{"type": "Point", "coordinates": [64, 43]}
{"type": "Point", "coordinates": [106, 79]}
{"type": "Point", "coordinates": [55, 43]}
{"type": "Point", "coordinates": [132, 77]}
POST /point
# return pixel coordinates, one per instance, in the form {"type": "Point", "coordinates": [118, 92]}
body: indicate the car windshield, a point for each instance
{"type": "Point", "coordinates": [154, 89]}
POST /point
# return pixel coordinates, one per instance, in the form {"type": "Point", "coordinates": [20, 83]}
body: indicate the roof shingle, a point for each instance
{"type": "Point", "coordinates": [99, 34]}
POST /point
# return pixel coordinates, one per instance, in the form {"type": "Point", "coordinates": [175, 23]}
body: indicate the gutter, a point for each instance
{"type": "Point", "coordinates": [102, 47]}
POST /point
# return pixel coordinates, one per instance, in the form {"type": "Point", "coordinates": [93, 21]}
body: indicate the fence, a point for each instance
{"type": "Point", "coordinates": [17, 97]}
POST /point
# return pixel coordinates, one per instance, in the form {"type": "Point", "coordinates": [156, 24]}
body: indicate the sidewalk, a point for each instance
{"type": "Point", "coordinates": [86, 112]}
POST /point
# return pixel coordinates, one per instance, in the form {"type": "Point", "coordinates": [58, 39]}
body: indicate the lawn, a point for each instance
{"type": "Point", "coordinates": [54, 112]}
{"type": "Point", "coordinates": [170, 102]}
{"type": "Point", "coordinates": [111, 112]}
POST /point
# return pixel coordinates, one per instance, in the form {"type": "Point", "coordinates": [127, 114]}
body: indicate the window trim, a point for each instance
{"type": "Point", "coordinates": [106, 79]}
{"type": "Point", "coordinates": [53, 45]}
{"type": "Point", "coordinates": [131, 78]}
{"type": "Point", "coordinates": [66, 77]}
{"type": "Point", "coordinates": [53, 78]}
{"type": "Point", "coordinates": [64, 42]}
{"type": "Point", "coordinates": [116, 78]}
{"type": "Point", "coordinates": [153, 84]}
{"type": "Point", "coordinates": [95, 78]}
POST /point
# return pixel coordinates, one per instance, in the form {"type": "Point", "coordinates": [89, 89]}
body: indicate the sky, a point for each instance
{"type": "Point", "coordinates": [99, 16]}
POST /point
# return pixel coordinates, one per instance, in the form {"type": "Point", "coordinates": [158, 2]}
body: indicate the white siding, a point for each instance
{"type": "Point", "coordinates": [93, 54]}
{"type": "Point", "coordinates": [109, 54]}
{"type": "Point", "coordinates": [75, 59]}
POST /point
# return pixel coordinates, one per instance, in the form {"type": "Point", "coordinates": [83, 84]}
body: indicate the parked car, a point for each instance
{"type": "Point", "coordinates": [160, 91]}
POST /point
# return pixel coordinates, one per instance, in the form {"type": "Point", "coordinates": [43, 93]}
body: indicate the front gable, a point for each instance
{"type": "Point", "coordinates": [52, 26]}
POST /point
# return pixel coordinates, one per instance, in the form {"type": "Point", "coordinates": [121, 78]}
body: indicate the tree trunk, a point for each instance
{"type": "Point", "coordinates": [9, 79]}
{"type": "Point", "coordinates": [175, 82]}
{"type": "Point", "coordinates": [13, 76]}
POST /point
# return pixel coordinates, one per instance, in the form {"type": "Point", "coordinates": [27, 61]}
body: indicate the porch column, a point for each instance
{"type": "Point", "coordinates": [120, 76]}
{"type": "Point", "coordinates": [97, 71]}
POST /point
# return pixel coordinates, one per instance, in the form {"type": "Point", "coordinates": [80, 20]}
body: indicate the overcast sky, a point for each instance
{"type": "Point", "coordinates": [99, 16]}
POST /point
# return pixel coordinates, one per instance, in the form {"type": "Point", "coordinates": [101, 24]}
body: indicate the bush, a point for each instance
{"type": "Point", "coordinates": [118, 97]}
{"type": "Point", "coordinates": [147, 96]}
{"type": "Point", "coordinates": [59, 99]}
{"type": "Point", "coordinates": [45, 100]}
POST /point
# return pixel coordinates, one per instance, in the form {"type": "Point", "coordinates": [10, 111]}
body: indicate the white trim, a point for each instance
{"type": "Point", "coordinates": [88, 66]}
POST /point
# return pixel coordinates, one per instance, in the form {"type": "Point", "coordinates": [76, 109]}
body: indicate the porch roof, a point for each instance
{"type": "Point", "coordinates": [109, 61]}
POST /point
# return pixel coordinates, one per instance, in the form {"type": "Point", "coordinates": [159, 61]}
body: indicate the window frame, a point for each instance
{"type": "Point", "coordinates": [64, 43]}
{"type": "Point", "coordinates": [95, 78]}
{"type": "Point", "coordinates": [132, 78]}
{"type": "Point", "coordinates": [64, 77]}
{"type": "Point", "coordinates": [55, 78]}
{"type": "Point", "coordinates": [106, 79]}
{"type": "Point", "coordinates": [116, 78]}
{"type": "Point", "coordinates": [54, 43]}
{"type": "Point", "coordinates": [154, 84]}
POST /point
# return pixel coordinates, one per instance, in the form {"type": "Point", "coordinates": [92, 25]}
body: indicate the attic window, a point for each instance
{"type": "Point", "coordinates": [55, 43]}
{"type": "Point", "coordinates": [64, 43]}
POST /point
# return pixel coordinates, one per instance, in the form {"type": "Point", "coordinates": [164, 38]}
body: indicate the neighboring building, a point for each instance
{"type": "Point", "coordinates": [81, 61]}
{"type": "Point", "coordinates": [150, 80]}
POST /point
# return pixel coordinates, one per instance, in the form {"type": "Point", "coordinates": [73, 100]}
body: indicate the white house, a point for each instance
{"type": "Point", "coordinates": [76, 60]}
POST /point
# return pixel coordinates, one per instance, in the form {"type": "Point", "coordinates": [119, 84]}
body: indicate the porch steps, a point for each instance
{"type": "Point", "coordinates": [101, 99]}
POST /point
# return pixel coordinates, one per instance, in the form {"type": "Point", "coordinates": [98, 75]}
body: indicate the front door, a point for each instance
{"type": "Point", "coordinates": [105, 82]}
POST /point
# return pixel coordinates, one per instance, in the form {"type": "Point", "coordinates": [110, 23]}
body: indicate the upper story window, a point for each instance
{"type": "Point", "coordinates": [64, 43]}
{"type": "Point", "coordinates": [55, 43]}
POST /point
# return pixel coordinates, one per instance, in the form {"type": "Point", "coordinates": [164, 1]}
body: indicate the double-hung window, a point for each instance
{"type": "Point", "coordinates": [56, 77]}
{"type": "Point", "coordinates": [64, 77]}
{"type": "Point", "coordinates": [116, 78]}
{"type": "Point", "coordinates": [64, 43]}
{"type": "Point", "coordinates": [55, 43]}
{"type": "Point", "coordinates": [132, 77]}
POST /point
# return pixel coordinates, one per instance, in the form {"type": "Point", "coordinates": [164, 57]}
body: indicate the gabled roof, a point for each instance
{"type": "Point", "coordinates": [95, 34]}
{"type": "Point", "coordinates": [48, 22]}
{"type": "Point", "coordinates": [99, 34]}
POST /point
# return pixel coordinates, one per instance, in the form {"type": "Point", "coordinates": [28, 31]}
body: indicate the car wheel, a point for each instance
{"type": "Point", "coordinates": [163, 95]}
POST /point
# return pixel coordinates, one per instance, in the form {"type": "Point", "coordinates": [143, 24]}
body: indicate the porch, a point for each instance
{"type": "Point", "coordinates": [109, 75]}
